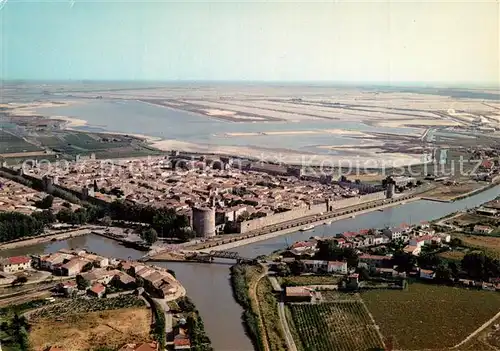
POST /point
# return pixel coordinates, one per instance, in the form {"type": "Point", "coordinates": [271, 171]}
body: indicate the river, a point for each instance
{"type": "Point", "coordinates": [208, 284]}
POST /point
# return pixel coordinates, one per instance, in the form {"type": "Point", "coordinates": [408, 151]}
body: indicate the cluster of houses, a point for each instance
{"type": "Point", "coordinates": [414, 236]}
{"type": "Point", "coordinates": [124, 276]}
{"type": "Point", "coordinates": [98, 272]}
{"type": "Point", "coordinates": [70, 262]}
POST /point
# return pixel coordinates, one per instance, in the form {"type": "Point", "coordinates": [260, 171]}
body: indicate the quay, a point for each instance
{"type": "Point", "coordinates": [233, 240]}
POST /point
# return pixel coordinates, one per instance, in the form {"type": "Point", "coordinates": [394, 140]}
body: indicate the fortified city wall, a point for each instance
{"type": "Point", "coordinates": [305, 211]}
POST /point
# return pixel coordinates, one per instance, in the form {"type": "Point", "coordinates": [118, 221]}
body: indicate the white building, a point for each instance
{"type": "Point", "coordinates": [316, 266]}
{"type": "Point", "coordinates": [15, 264]}
{"type": "Point", "coordinates": [393, 233]}
{"type": "Point", "coordinates": [337, 267]}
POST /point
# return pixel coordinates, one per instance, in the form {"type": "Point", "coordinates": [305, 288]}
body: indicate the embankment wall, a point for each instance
{"type": "Point", "coordinates": [328, 206]}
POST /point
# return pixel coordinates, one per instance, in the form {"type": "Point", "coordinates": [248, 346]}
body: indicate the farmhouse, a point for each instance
{"type": "Point", "coordinates": [423, 240]}
{"type": "Point", "coordinates": [67, 287]}
{"type": "Point", "coordinates": [486, 211]}
{"type": "Point", "coordinates": [52, 261]}
{"type": "Point", "coordinates": [316, 266]}
{"type": "Point", "coordinates": [97, 290]}
{"type": "Point", "coordinates": [181, 340]}
{"type": "Point", "coordinates": [97, 260]}
{"type": "Point", "coordinates": [74, 266]}
{"type": "Point", "coordinates": [124, 280]}
{"type": "Point", "coordinates": [15, 264]}
{"type": "Point", "coordinates": [373, 261]}
{"type": "Point", "coordinates": [100, 275]}
{"type": "Point", "coordinates": [298, 294]}
{"type": "Point", "coordinates": [413, 250]}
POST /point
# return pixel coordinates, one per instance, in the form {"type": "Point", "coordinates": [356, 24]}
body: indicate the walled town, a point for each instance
{"type": "Point", "coordinates": [181, 208]}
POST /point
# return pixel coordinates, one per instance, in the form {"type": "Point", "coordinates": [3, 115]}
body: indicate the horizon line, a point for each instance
{"type": "Point", "coordinates": [406, 84]}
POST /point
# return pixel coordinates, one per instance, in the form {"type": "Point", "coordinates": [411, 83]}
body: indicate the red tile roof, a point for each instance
{"type": "Point", "coordinates": [55, 348]}
{"type": "Point", "coordinates": [349, 234]}
{"type": "Point", "coordinates": [487, 164]}
{"type": "Point", "coordinates": [182, 342]}
{"type": "Point", "coordinates": [98, 288]}
{"type": "Point", "coordinates": [150, 346]}
{"type": "Point", "coordinates": [19, 259]}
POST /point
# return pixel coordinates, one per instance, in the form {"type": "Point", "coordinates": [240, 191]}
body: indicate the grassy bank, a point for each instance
{"type": "Point", "coordinates": [268, 305]}
{"type": "Point", "coordinates": [158, 330]}
{"type": "Point", "coordinates": [241, 276]}
{"type": "Point", "coordinates": [257, 297]}
{"type": "Point", "coordinates": [199, 338]}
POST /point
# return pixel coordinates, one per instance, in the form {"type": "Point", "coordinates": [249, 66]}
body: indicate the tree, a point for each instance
{"type": "Point", "coordinates": [139, 282]}
{"type": "Point", "coordinates": [479, 266]}
{"type": "Point", "coordinates": [364, 274]}
{"type": "Point", "coordinates": [405, 262]}
{"type": "Point", "coordinates": [45, 203]}
{"type": "Point", "coordinates": [397, 244]}
{"type": "Point", "coordinates": [150, 236]}
{"type": "Point", "coordinates": [82, 283]}
{"type": "Point", "coordinates": [19, 281]}
{"type": "Point", "coordinates": [45, 216]}
{"type": "Point", "coordinates": [429, 260]}
{"type": "Point", "coordinates": [65, 215]}
{"type": "Point", "coordinates": [88, 266]}
{"type": "Point", "coordinates": [443, 273]}
{"type": "Point", "coordinates": [171, 272]}
{"type": "Point", "coordinates": [106, 220]}
{"type": "Point", "coordinates": [329, 251]}
{"type": "Point", "coordinates": [297, 267]}
{"type": "Point", "coordinates": [456, 242]}
{"type": "Point", "coordinates": [245, 215]}
{"type": "Point", "coordinates": [186, 234]}
{"type": "Point", "coordinates": [283, 270]}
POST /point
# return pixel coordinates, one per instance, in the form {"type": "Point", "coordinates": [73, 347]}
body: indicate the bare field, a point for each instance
{"type": "Point", "coordinates": [87, 331]}
{"type": "Point", "coordinates": [490, 244]}
{"type": "Point", "coordinates": [449, 192]}
{"type": "Point", "coordinates": [452, 255]}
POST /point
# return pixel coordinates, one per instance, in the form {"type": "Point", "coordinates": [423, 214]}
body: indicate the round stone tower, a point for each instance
{"type": "Point", "coordinates": [204, 221]}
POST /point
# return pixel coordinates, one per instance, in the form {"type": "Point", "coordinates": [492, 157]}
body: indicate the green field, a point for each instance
{"type": "Point", "coordinates": [343, 326]}
{"type": "Point", "coordinates": [430, 316]}
{"type": "Point", "coordinates": [10, 143]}
{"type": "Point", "coordinates": [103, 145]}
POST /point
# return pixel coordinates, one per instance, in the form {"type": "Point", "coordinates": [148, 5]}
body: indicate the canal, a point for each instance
{"type": "Point", "coordinates": [208, 284]}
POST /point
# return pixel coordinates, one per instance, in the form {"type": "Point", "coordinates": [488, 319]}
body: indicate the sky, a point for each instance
{"type": "Point", "coordinates": [342, 41]}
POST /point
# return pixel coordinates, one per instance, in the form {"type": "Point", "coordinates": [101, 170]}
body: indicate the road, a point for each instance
{"type": "Point", "coordinates": [168, 315]}
{"type": "Point", "coordinates": [284, 325]}
{"type": "Point", "coordinates": [477, 331]}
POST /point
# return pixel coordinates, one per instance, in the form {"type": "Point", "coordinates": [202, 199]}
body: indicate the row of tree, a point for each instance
{"type": "Point", "coordinates": [474, 265]}
{"type": "Point", "coordinates": [163, 222]}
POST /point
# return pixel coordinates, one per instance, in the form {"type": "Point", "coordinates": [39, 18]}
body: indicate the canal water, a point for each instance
{"type": "Point", "coordinates": [208, 284]}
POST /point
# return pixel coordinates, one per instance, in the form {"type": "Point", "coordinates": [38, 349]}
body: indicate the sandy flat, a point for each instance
{"type": "Point", "coordinates": [71, 122]}
{"type": "Point", "coordinates": [300, 132]}
{"type": "Point", "coordinates": [371, 158]}
{"type": "Point", "coordinates": [215, 112]}
{"type": "Point", "coordinates": [416, 122]}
